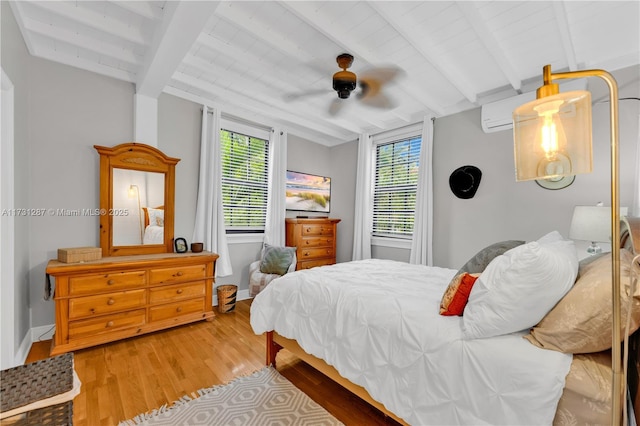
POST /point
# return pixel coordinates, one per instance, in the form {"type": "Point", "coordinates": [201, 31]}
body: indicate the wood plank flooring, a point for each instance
{"type": "Point", "coordinates": [129, 377]}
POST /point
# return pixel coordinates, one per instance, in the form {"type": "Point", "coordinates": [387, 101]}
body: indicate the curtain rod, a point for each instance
{"type": "Point", "coordinates": [242, 121]}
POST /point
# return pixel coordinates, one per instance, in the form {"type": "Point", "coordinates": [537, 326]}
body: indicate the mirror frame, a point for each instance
{"type": "Point", "coordinates": [135, 156]}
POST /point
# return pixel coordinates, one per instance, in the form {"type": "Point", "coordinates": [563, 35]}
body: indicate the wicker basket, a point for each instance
{"type": "Point", "coordinates": [26, 384]}
{"type": "Point", "coordinates": [227, 298]}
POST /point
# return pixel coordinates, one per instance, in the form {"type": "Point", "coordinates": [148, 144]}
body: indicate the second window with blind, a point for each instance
{"type": "Point", "coordinates": [245, 167]}
{"type": "Point", "coordinates": [396, 171]}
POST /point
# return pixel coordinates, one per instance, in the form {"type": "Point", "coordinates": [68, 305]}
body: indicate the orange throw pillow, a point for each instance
{"type": "Point", "coordinates": [457, 294]}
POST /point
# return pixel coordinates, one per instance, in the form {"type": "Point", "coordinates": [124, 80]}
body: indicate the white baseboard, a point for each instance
{"type": "Point", "coordinates": [45, 332]}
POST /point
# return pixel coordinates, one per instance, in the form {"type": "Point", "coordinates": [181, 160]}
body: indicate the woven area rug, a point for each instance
{"type": "Point", "coordinates": [263, 398]}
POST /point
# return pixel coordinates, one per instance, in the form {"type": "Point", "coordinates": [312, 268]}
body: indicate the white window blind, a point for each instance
{"type": "Point", "coordinates": [395, 186]}
{"type": "Point", "coordinates": [244, 181]}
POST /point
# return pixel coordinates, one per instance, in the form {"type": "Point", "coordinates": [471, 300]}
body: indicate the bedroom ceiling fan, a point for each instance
{"type": "Point", "coordinates": [370, 82]}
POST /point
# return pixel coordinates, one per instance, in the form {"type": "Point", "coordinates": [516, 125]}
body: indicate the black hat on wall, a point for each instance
{"type": "Point", "coordinates": [464, 181]}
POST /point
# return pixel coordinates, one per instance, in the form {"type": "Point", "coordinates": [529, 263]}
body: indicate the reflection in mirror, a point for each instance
{"type": "Point", "coordinates": [138, 207]}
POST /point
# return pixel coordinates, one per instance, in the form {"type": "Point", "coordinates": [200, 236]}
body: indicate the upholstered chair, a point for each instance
{"type": "Point", "coordinates": [274, 262]}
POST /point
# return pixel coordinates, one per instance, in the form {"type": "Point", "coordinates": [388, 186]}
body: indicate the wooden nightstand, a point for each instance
{"type": "Point", "coordinates": [315, 240]}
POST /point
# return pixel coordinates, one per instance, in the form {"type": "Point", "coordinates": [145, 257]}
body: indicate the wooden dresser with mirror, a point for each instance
{"type": "Point", "coordinates": [139, 285]}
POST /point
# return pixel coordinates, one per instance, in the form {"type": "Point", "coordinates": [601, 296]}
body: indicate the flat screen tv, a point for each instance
{"type": "Point", "coordinates": [307, 192]}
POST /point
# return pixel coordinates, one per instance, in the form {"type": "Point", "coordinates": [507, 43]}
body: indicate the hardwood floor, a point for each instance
{"type": "Point", "coordinates": [129, 377]}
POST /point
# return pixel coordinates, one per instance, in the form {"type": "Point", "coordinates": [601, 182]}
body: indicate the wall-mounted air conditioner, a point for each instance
{"type": "Point", "coordinates": [496, 116]}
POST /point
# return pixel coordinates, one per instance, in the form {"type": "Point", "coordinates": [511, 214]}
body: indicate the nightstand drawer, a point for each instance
{"type": "Point", "coordinates": [106, 324]}
{"type": "Point", "coordinates": [317, 229]}
{"type": "Point", "coordinates": [313, 253]}
{"type": "Point", "coordinates": [313, 263]}
{"type": "Point", "coordinates": [89, 306]}
{"type": "Point", "coordinates": [316, 242]}
{"type": "Point", "coordinates": [94, 283]}
{"type": "Point", "coordinates": [177, 274]}
{"type": "Point", "coordinates": [176, 292]}
{"type": "Point", "coordinates": [172, 310]}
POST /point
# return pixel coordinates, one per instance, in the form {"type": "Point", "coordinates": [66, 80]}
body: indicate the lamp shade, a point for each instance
{"type": "Point", "coordinates": [592, 223]}
{"type": "Point", "coordinates": [552, 136]}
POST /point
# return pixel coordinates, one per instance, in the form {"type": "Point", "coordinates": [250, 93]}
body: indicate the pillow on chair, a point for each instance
{"type": "Point", "coordinates": [277, 260]}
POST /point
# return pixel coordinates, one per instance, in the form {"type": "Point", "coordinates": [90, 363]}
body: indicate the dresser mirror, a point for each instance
{"type": "Point", "coordinates": [137, 184]}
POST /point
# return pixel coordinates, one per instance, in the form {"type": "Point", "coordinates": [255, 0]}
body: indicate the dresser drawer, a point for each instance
{"type": "Point", "coordinates": [106, 324]}
{"type": "Point", "coordinates": [177, 274]}
{"type": "Point", "coordinates": [316, 242]}
{"type": "Point", "coordinates": [176, 292]}
{"type": "Point", "coordinates": [88, 306]}
{"type": "Point", "coordinates": [95, 283]}
{"type": "Point", "coordinates": [317, 229]}
{"type": "Point", "coordinates": [312, 253]}
{"type": "Point", "coordinates": [313, 263]}
{"type": "Point", "coordinates": [172, 310]}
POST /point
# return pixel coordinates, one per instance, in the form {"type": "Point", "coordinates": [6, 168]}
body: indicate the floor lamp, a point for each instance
{"type": "Point", "coordinates": [134, 191]}
{"type": "Point", "coordinates": [552, 138]}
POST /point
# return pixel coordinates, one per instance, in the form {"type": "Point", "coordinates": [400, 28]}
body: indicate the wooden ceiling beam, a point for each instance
{"type": "Point", "coordinates": [221, 94]}
{"type": "Point", "coordinates": [486, 37]}
{"type": "Point", "coordinates": [419, 41]}
{"type": "Point", "coordinates": [560, 12]}
{"type": "Point", "coordinates": [181, 25]}
{"type": "Point", "coordinates": [84, 16]}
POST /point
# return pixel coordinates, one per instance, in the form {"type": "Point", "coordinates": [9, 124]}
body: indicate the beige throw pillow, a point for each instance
{"type": "Point", "coordinates": [581, 321]}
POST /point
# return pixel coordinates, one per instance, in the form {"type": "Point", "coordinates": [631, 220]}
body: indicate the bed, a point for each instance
{"type": "Point", "coordinates": [374, 326]}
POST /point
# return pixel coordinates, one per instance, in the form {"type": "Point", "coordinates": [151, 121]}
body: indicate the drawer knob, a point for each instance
{"type": "Point", "coordinates": [179, 291]}
{"type": "Point", "coordinates": [179, 309]}
{"type": "Point", "coordinates": [180, 273]}
{"type": "Point", "coordinates": [110, 301]}
{"type": "Point", "coordinates": [306, 253]}
{"type": "Point", "coordinates": [111, 282]}
{"type": "Point", "coordinates": [110, 324]}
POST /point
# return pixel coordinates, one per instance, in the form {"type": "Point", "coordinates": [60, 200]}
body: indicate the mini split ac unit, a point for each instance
{"type": "Point", "coordinates": [496, 116]}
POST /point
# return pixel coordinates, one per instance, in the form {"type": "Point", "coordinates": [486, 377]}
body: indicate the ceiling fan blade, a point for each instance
{"type": "Point", "coordinates": [298, 95]}
{"type": "Point", "coordinates": [381, 75]}
{"type": "Point", "coordinates": [335, 106]}
{"type": "Point", "coordinates": [379, 100]}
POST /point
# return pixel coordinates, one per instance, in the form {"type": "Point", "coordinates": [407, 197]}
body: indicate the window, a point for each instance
{"type": "Point", "coordinates": [395, 186]}
{"type": "Point", "coordinates": [244, 181]}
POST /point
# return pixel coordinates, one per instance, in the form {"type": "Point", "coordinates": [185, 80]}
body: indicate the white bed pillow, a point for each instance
{"type": "Point", "coordinates": [156, 217]}
{"type": "Point", "coordinates": [518, 288]}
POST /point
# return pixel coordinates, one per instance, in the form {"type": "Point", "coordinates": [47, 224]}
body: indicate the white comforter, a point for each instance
{"type": "Point", "coordinates": [377, 323]}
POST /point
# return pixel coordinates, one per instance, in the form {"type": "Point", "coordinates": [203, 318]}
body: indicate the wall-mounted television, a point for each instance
{"type": "Point", "coordinates": [307, 192]}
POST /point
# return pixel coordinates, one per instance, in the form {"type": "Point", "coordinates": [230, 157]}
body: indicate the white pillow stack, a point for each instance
{"type": "Point", "coordinates": [519, 287]}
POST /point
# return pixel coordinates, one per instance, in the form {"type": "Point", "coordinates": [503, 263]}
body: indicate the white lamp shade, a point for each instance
{"type": "Point", "coordinates": [552, 136]}
{"type": "Point", "coordinates": [592, 223]}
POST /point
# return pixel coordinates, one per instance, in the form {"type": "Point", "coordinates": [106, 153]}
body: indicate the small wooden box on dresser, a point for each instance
{"type": "Point", "coordinates": [315, 240]}
{"type": "Point", "coordinates": [124, 296]}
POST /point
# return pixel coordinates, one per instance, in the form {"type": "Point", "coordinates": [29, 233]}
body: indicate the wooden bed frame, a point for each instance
{"type": "Point", "coordinates": [629, 238]}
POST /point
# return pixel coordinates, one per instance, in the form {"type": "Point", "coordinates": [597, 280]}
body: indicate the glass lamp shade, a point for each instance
{"type": "Point", "coordinates": [552, 136]}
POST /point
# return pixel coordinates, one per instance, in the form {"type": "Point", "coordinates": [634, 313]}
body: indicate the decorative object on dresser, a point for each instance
{"type": "Point", "coordinates": [314, 239]}
{"type": "Point", "coordinates": [119, 297]}
{"type": "Point", "coordinates": [152, 173]}
{"type": "Point", "coordinates": [181, 245]}
{"type": "Point", "coordinates": [79, 254]}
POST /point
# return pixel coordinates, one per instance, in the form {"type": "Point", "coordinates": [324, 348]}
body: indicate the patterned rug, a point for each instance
{"type": "Point", "coordinates": [263, 398]}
